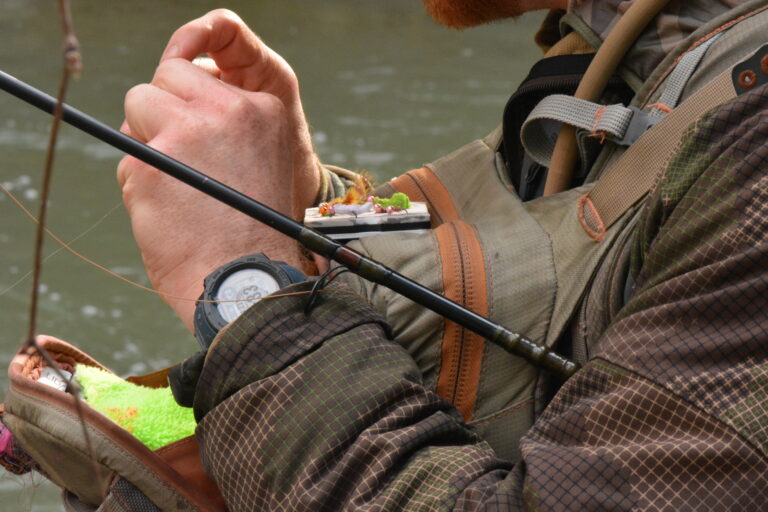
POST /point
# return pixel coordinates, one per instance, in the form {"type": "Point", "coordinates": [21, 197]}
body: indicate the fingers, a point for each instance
{"type": "Point", "coordinates": [124, 168]}
{"type": "Point", "coordinates": [208, 65]}
{"type": "Point", "coordinates": [220, 32]}
{"type": "Point", "coordinates": [190, 81]}
{"type": "Point", "coordinates": [148, 110]}
{"type": "Point", "coordinates": [125, 128]}
{"type": "Point", "coordinates": [232, 45]}
{"type": "Point", "coordinates": [186, 80]}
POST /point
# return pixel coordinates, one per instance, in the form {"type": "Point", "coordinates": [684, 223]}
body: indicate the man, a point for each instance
{"type": "Point", "coordinates": [322, 411]}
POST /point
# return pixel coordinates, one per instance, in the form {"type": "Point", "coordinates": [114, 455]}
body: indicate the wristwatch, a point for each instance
{"type": "Point", "coordinates": [236, 286]}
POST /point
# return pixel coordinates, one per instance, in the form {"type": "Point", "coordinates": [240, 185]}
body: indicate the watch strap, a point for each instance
{"type": "Point", "coordinates": [204, 331]}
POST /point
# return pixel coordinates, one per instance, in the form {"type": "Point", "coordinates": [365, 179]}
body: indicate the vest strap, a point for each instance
{"type": "Point", "coordinates": [617, 123]}
{"type": "Point", "coordinates": [633, 175]}
{"type": "Point", "coordinates": [679, 77]}
{"type": "Point", "coordinates": [540, 129]}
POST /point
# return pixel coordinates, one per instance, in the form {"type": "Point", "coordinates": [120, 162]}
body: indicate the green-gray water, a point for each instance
{"type": "Point", "coordinates": [384, 88]}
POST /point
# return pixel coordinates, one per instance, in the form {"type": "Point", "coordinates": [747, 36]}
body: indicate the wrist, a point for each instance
{"type": "Point", "coordinates": [181, 293]}
{"type": "Point", "coordinates": [181, 286]}
{"type": "Point", "coordinates": [305, 182]}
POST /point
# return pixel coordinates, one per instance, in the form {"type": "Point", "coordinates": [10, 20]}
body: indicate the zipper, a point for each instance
{"type": "Point", "coordinates": [460, 363]}
{"type": "Point", "coordinates": [464, 280]}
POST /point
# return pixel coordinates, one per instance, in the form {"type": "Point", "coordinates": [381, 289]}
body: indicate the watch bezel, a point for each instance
{"type": "Point", "coordinates": [208, 320]}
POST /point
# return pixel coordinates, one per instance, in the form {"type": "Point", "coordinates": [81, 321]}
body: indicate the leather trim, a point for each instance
{"type": "Point", "coordinates": [184, 457]}
{"type": "Point", "coordinates": [465, 282]}
{"type": "Point", "coordinates": [423, 185]}
{"type": "Point", "coordinates": [157, 379]}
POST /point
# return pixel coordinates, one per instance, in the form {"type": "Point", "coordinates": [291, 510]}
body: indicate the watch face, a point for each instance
{"type": "Point", "coordinates": [245, 286]}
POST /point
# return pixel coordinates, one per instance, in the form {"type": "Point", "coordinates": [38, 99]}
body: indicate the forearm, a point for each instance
{"type": "Point", "coordinates": [335, 417]}
{"type": "Point", "coordinates": [325, 413]}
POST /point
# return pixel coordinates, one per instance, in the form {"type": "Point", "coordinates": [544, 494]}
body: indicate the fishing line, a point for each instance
{"type": "Point", "coordinates": [65, 246]}
{"type": "Point", "coordinates": [60, 248]}
{"type": "Point", "coordinates": [365, 267]}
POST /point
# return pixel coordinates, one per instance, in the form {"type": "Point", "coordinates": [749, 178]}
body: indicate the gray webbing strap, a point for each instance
{"type": "Point", "coordinates": [631, 177]}
{"type": "Point", "coordinates": [617, 123]}
{"type": "Point", "coordinates": [679, 77]}
{"type": "Point", "coordinates": [540, 129]}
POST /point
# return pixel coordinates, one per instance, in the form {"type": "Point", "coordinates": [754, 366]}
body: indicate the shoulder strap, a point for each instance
{"type": "Point", "coordinates": [626, 182]}
{"type": "Point", "coordinates": [633, 175]}
{"type": "Point", "coordinates": [617, 123]}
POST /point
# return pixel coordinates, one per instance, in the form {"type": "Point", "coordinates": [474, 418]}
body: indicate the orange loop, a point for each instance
{"type": "Point", "coordinates": [597, 231]}
{"type": "Point", "coordinates": [661, 106]}
{"type": "Point", "coordinates": [595, 132]}
{"type": "Point", "coordinates": [747, 79]}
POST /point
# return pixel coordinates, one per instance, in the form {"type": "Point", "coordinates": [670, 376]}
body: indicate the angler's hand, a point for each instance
{"type": "Point", "coordinates": [240, 58]}
{"type": "Point", "coordinates": [241, 138]}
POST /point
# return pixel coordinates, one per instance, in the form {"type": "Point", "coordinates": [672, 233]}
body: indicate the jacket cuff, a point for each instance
{"type": "Point", "coordinates": [334, 182]}
{"type": "Point", "coordinates": [273, 334]}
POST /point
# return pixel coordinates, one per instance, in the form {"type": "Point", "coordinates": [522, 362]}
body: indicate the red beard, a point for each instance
{"type": "Point", "coordinates": [469, 13]}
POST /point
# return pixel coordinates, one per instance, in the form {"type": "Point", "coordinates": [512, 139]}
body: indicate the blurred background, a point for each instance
{"type": "Point", "coordinates": [384, 87]}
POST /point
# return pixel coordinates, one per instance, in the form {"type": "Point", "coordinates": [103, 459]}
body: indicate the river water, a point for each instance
{"type": "Point", "coordinates": [385, 89]}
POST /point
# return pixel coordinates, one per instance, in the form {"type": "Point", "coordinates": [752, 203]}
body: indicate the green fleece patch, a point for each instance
{"type": "Point", "coordinates": [151, 415]}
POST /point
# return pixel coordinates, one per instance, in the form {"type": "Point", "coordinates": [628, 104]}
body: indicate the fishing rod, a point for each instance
{"type": "Point", "coordinates": [312, 240]}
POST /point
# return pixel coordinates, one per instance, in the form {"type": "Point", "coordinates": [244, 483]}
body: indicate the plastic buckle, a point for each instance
{"type": "Point", "coordinates": [640, 123]}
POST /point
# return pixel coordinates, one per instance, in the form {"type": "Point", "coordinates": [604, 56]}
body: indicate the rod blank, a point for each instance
{"type": "Point", "coordinates": [368, 269]}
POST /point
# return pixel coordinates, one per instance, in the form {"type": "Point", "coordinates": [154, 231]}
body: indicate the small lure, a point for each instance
{"type": "Point", "coordinates": [354, 209]}
{"type": "Point", "coordinates": [396, 203]}
{"type": "Point", "coordinates": [399, 201]}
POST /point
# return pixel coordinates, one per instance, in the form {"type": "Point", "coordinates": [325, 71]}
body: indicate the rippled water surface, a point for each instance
{"type": "Point", "coordinates": [385, 89]}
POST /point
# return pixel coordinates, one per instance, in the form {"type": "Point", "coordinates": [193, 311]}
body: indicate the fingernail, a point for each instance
{"type": "Point", "coordinates": [171, 52]}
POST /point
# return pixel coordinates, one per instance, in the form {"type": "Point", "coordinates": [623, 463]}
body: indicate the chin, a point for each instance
{"type": "Point", "coordinates": [470, 13]}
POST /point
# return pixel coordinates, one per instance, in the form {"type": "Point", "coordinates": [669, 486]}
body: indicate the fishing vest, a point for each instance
{"type": "Point", "coordinates": [537, 266]}
{"type": "Point", "coordinates": [554, 268]}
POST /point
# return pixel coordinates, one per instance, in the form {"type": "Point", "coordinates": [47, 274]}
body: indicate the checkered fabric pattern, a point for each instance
{"type": "Point", "coordinates": [325, 413]}
{"type": "Point", "coordinates": [123, 496]}
{"type": "Point", "coordinates": [678, 20]}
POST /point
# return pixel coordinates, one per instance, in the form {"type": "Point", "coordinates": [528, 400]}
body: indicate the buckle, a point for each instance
{"type": "Point", "coordinates": [639, 123]}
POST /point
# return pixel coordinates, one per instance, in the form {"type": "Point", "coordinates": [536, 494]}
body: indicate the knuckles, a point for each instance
{"type": "Point", "coordinates": [170, 71]}
{"type": "Point", "coordinates": [221, 109]}
{"type": "Point", "coordinates": [135, 94]}
{"type": "Point", "coordinates": [224, 15]}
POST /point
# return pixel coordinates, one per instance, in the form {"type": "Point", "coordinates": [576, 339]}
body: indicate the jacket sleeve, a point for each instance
{"type": "Point", "coordinates": [323, 412]}
{"type": "Point", "coordinates": [334, 182]}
